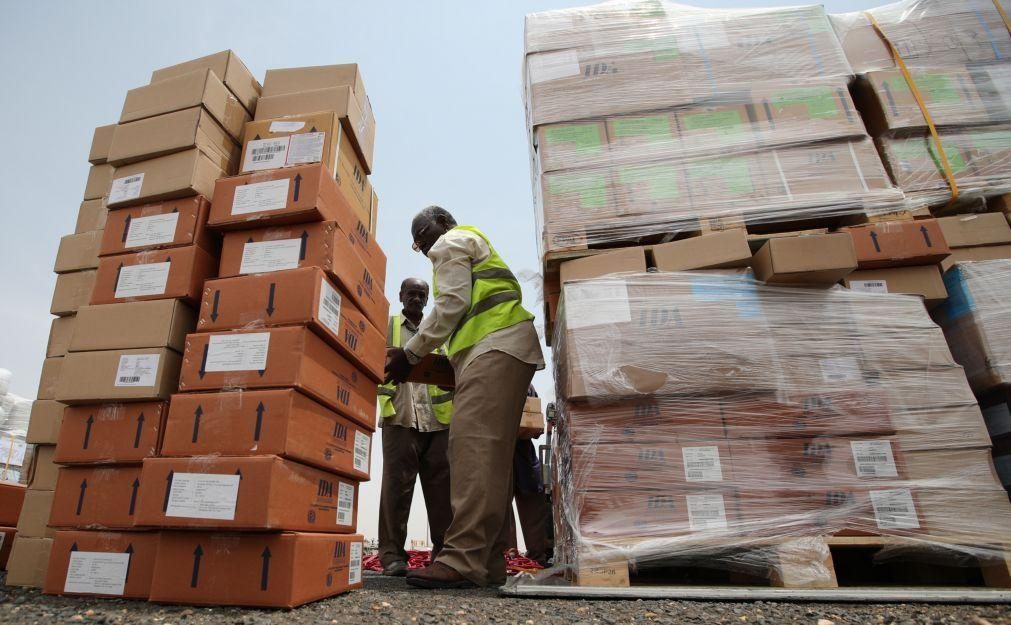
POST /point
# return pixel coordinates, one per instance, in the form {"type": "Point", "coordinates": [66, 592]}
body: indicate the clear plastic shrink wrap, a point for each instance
{"type": "Point", "coordinates": [706, 415]}
{"type": "Point", "coordinates": [647, 117]}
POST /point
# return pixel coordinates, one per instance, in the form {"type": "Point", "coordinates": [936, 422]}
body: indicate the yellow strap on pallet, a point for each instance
{"type": "Point", "coordinates": [948, 175]}
{"type": "Point", "coordinates": [1003, 15]}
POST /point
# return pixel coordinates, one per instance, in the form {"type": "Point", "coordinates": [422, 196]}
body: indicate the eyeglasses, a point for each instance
{"type": "Point", "coordinates": [417, 245]}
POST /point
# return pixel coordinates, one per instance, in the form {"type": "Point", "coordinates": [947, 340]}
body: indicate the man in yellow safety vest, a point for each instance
{"type": "Point", "coordinates": [415, 422]}
{"type": "Point", "coordinates": [495, 350]}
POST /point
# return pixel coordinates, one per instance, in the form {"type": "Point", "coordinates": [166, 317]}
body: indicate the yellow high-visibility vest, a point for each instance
{"type": "Point", "coordinates": [441, 401]}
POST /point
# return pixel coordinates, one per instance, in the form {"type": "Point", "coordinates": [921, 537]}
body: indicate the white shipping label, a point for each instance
{"type": "Point", "coordinates": [267, 256]}
{"type": "Point", "coordinates": [10, 474]}
{"type": "Point", "coordinates": [12, 451]}
{"type": "Point", "coordinates": [137, 370]}
{"type": "Point", "coordinates": [874, 458]}
{"type": "Point", "coordinates": [702, 464]}
{"type": "Point", "coordinates": [237, 352]}
{"type": "Point", "coordinates": [706, 512]}
{"type": "Point", "coordinates": [547, 66]}
{"type": "Point", "coordinates": [286, 126]}
{"type": "Point", "coordinates": [97, 573]}
{"type": "Point", "coordinates": [203, 496]}
{"type": "Point", "coordinates": [126, 188]}
{"type": "Point", "coordinates": [265, 154]}
{"type": "Point", "coordinates": [260, 196]}
{"type": "Point", "coordinates": [329, 306]}
{"type": "Point", "coordinates": [869, 286]}
{"type": "Point", "coordinates": [842, 369]}
{"type": "Point", "coordinates": [355, 563]}
{"type": "Point", "coordinates": [599, 304]}
{"type": "Point", "coordinates": [153, 230]}
{"type": "Point", "coordinates": [306, 148]}
{"type": "Point", "coordinates": [362, 444]}
{"type": "Point", "coordinates": [345, 503]}
{"type": "Point", "coordinates": [894, 509]}
{"type": "Point", "coordinates": [143, 280]}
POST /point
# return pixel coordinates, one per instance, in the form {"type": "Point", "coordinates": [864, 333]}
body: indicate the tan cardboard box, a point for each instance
{"type": "Point", "coordinates": [713, 251]}
{"type": "Point", "coordinates": [989, 252]}
{"type": "Point", "coordinates": [176, 175]}
{"type": "Point", "coordinates": [339, 100]}
{"type": "Point", "coordinates": [29, 561]}
{"type": "Point", "coordinates": [99, 181]}
{"type": "Point", "coordinates": [172, 223]}
{"type": "Point", "coordinates": [374, 212]}
{"type": "Point", "coordinates": [72, 291]}
{"type": "Point", "coordinates": [43, 470]}
{"type": "Point", "coordinates": [91, 216]}
{"type": "Point", "coordinates": [50, 378]}
{"type": "Point", "coordinates": [44, 427]}
{"type": "Point", "coordinates": [174, 273]}
{"type": "Point", "coordinates": [584, 144]}
{"type": "Point", "coordinates": [814, 259]}
{"type": "Point", "coordinates": [78, 252]}
{"type": "Point", "coordinates": [631, 259]}
{"type": "Point", "coordinates": [122, 374]}
{"type": "Point", "coordinates": [174, 132]}
{"type": "Point", "coordinates": [100, 141]}
{"type": "Point", "coordinates": [227, 66]}
{"type": "Point", "coordinates": [295, 79]}
{"type": "Point", "coordinates": [133, 325]}
{"type": "Point", "coordinates": [60, 333]}
{"type": "Point", "coordinates": [922, 280]}
{"type": "Point", "coordinates": [35, 514]}
{"type": "Point", "coordinates": [201, 87]}
{"type": "Point", "coordinates": [975, 230]}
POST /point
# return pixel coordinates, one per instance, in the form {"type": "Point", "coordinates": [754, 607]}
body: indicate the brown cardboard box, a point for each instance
{"type": "Point", "coordinates": [954, 468]}
{"type": "Point", "coordinates": [121, 374]}
{"type": "Point", "coordinates": [132, 325]}
{"type": "Point", "coordinates": [52, 369]}
{"type": "Point", "coordinates": [78, 252]}
{"type": "Point", "coordinates": [814, 259]}
{"type": "Point", "coordinates": [660, 466]}
{"type": "Point", "coordinates": [339, 100]}
{"type": "Point", "coordinates": [227, 66]}
{"type": "Point", "coordinates": [281, 570]}
{"type": "Point", "coordinates": [91, 216]}
{"type": "Point", "coordinates": [42, 473]}
{"type": "Point", "coordinates": [262, 423]}
{"type": "Point", "coordinates": [989, 252]}
{"type": "Point", "coordinates": [181, 174]}
{"type": "Point", "coordinates": [898, 243]}
{"type": "Point", "coordinates": [96, 497]}
{"type": "Point", "coordinates": [72, 291]}
{"type": "Point", "coordinates": [295, 79]}
{"type": "Point", "coordinates": [923, 280]}
{"type": "Point", "coordinates": [102, 564]}
{"type": "Point", "coordinates": [100, 142]}
{"type": "Point", "coordinates": [174, 132]}
{"type": "Point", "coordinates": [975, 230]}
{"type": "Point", "coordinates": [295, 297]}
{"type": "Point", "coordinates": [99, 181]}
{"type": "Point", "coordinates": [12, 497]}
{"type": "Point", "coordinates": [44, 427]}
{"type": "Point", "coordinates": [176, 273]}
{"type": "Point", "coordinates": [374, 212]}
{"type": "Point", "coordinates": [295, 195]}
{"type": "Point", "coordinates": [320, 244]}
{"type": "Point", "coordinates": [433, 369]}
{"type": "Point", "coordinates": [110, 433]}
{"type": "Point", "coordinates": [34, 519]}
{"type": "Point", "coordinates": [823, 460]}
{"type": "Point", "coordinates": [171, 223]}
{"type": "Point", "coordinates": [632, 259]}
{"type": "Point", "coordinates": [304, 140]}
{"type": "Point", "coordinates": [252, 493]}
{"type": "Point", "coordinates": [201, 87]}
{"type": "Point", "coordinates": [278, 357]}
{"type": "Point", "coordinates": [28, 561]}
{"type": "Point", "coordinates": [712, 251]}
{"type": "Point", "coordinates": [7, 535]}
{"type": "Point", "coordinates": [60, 334]}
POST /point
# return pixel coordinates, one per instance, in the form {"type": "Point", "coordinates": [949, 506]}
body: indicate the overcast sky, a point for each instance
{"type": "Point", "coordinates": [443, 78]}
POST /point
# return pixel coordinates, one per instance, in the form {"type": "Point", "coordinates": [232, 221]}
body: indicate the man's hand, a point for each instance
{"type": "Point", "coordinates": [398, 367]}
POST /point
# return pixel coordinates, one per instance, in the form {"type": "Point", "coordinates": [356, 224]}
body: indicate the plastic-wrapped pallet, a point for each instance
{"type": "Point", "coordinates": [705, 416]}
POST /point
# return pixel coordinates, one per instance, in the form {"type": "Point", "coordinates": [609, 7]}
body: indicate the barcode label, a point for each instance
{"type": "Point", "coordinates": [702, 464]}
{"type": "Point", "coordinates": [127, 188]}
{"type": "Point", "coordinates": [706, 512]}
{"type": "Point", "coordinates": [362, 443]}
{"type": "Point", "coordinates": [355, 564]}
{"type": "Point", "coordinates": [345, 503]}
{"type": "Point", "coordinates": [874, 458]}
{"type": "Point", "coordinates": [137, 370]}
{"type": "Point", "coordinates": [869, 286]}
{"type": "Point", "coordinates": [266, 154]}
{"type": "Point", "coordinates": [894, 509]}
{"type": "Point", "coordinates": [329, 306]}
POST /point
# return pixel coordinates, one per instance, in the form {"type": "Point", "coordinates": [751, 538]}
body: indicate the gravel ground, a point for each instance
{"type": "Point", "coordinates": [390, 601]}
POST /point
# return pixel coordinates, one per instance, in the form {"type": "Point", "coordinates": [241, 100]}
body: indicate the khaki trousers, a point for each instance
{"type": "Point", "coordinates": [407, 455]}
{"type": "Point", "coordinates": [487, 409]}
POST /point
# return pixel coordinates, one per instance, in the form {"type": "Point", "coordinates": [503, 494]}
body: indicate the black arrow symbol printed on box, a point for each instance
{"type": "Point", "coordinates": [259, 421]}
{"type": "Point", "coordinates": [126, 228]}
{"type": "Point", "coordinates": [197, 554]}
{"type": "Point", "coordinates": [265, 572]}
{"type": "Point", "coordinates": [239, 473]}
{"type": "Point", "coordinates": [168, 490]}
{"type": "Point", "coordinates": [196, 422]}
{"type": "Point", "coordinates": [133, 495]}
{"type": "Point", "coordinates": [926, 236]}
{"type": "Point", "coordinates": [87, 431]}
{"type": "Point", "coordinates": [203, 363]}
{"type": "Point", "coordinates": [270, 299]}
{"type": "Point", "coordinates": [301, 249]}
{"type": "Point", "coordinates": [129, 561]}
{"type": "Point", "coordinates": [214, 307]}
{"type": "Point", "coordinates": [298, 186]}
{"type": "Point", "coordinates": [140, 427]}
{"type": "Point", "coordinates": [313, 129]}
{"type": "Point", "coordinates": [80, 498]}
{"type": "Point", "coordinates": [115, 285]}
{"type": "Point", "coordinates": [874, 240]}
{"type": "Point", "coordinates": [257, 137]}
{"type": "Point", "coordinates": [73, 548]}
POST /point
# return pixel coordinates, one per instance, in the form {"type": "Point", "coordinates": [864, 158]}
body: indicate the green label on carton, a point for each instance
{"type": "Point", "coordinates": [734, 172]}
{"type": "Point", "coordinates": [726, 122]}
{"type": "Point", "coordinates": [586, 137]}
{"type": "Point", "coordinates": [937, 88]}
{"type": "Point", "coordinates": [661, 181]}
{"type": "Point", "coordinates": [820, 102]}
{"type": "Point", "coordinates": [653, 128]}
{"type": "Point", "coordinates": [912, 152]}
{"type": "Point", "coordinates": [591, 188]}
{"type": "Point", "coordinates": [989, 142]}
{"type": "Point", "coordinates": [663, 48]}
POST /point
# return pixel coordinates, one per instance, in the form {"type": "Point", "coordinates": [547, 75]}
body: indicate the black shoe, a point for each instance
{"type": "Point", "coordinates": [397, 568]}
